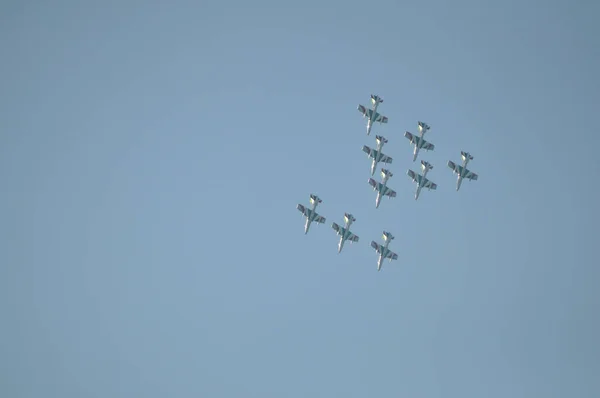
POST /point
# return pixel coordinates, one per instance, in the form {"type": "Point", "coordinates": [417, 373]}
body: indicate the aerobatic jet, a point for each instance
{"type": "Point", "coordinates": [344, 231]}
{"type": "Point", "coordinates": [381, 187]}
{"type": "Point", "coordinates": [376, 154]}
{"type": "Point", "coordinates": [383, 250]}
{"type": "Point", "coordinates": [371, 114]}
{"type": "Point", "coordinates": [421, 180]}
{"type": "Point", "coordinates": [418, 141]}
{"type": "Point", "coordinates": [311, 214]}
{"type": "Point", "coordinates": [461, 171]}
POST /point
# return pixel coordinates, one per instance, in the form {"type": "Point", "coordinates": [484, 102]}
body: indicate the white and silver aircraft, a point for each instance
{"type": "Point", "coordinates": [383, 250]}
{"type": "Point", "coordinates": [311, 214]}
{"type": "Point", "coordinates": [376, 154]}
{"type": "Point", "coordinates": [344, 231]}
{"type": "Point", "coordinates": [421, 180]}
{"type": "Point", "coordinates": [461, 171]}
{"type": "Point", "coordinates": [381, 187]}
{"type": "Point", "coordinates": [371, 114]}
{"type": "Point", "coordinates": [418, 141]}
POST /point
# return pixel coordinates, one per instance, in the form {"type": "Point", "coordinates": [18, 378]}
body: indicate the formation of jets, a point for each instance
{"type": "Point", "coordinates": [377, 156]}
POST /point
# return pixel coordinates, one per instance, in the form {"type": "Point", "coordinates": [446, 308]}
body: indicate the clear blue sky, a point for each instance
{"type": "Point", "coordinates": [152, 157]}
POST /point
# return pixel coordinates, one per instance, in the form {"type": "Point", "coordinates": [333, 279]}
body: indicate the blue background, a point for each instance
{"type": "Point", "coordinates": [152, 156]}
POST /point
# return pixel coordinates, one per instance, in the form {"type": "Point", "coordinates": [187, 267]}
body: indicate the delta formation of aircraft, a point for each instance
{"type": "Point", "coordinates": [377, 156]}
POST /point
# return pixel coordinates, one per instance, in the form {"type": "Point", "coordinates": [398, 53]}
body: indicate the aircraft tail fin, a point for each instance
{"type": "Point", "coordinates": [426, 165]}
{"type": "Point", "coordinates": [315, 199]}
{"type": "Point", "coordinates": [386, 173]}
{"type": "Point", "coordinates": [466, 155]}
{"type": "Point", "coordinates": [349, 217]}
{"type": "Point", "coordinates": [387, 236]}
{"type": "Point", "coordinates": [375, 99]}
{"type": "Point", "coordinates": [423, 127]}
{"type": "Point", "coordinates": [381, 139]}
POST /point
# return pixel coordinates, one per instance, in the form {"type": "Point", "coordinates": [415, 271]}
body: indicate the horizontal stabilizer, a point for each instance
{"type": "Point", "coordinates": [388, 236]}
{"type": "Point", "coordinates": [381, 139]}
{"type": "Point", "coordinates": [375, 99]}
{"type": "Point", "coordinates": [315, 199]}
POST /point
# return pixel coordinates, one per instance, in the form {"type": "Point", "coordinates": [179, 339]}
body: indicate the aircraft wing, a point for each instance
{"type": "Point", "coordinates": [428, 146]}
{"type": "Point", "coordinates": [302, 209]}
{"type": "Point", "coordinates": [320, 219]}
{"type": "Point", "coordinates": [335, 227]}
{"type": "Point", "coordinates": [471, 176]}
{"type": "Point", "coordinates": [453, 166]}
{"type": "Point", "coordinates": [391, 193]}
{"type": "Point", "coordinates": [380, 118]}
{"type": "Point", "coordinates": [368, 151]}
{"type": "Point", "coordinates": [353, 237]}
{"type": "Point", "coordinates": [378, 248]}
{"type": "Point", "coordinates": [410, 137]}
{"type": "Point", "coordinates": [390, 254]}
{"type": "Point", "coordinates": [373, 183]}
{"type": "Point", "coordinates": [366, 112]}
{"type": "Point", "coordinates": [430, 185]}
{"type": "Point", "coordinates": [460, 169]}
{"type": "Point", "coordinates": [412, 175]}
{"type": "Point", "coordinates": [386, 159]}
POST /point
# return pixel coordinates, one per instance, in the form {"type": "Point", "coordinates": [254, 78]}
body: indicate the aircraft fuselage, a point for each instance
{"type": "Point", "coordinates": [462, 173]}
{"type": "Point", "coordinates": [376, 159]}
{"type": "Point", "coordinates": [383, 254]}
{"type": "Point", "coordinates": [371, 119]}
{"type": "Point", "coordinates": [420, 183]}
{"type": "Point", "coordinates": [311, 217]}
{"type": "Point", "coordinates": [344, 235]}
{"type": "Point", "coordinates": [419, 145]}
{"type": "Point", "coordinates": [382, 189]}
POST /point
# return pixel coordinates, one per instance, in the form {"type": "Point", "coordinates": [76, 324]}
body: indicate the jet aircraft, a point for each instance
{"type": "Point", "coordinates": [376, 154]}
{"type": "Point", "coordinates": [461, 171]}
{"type": "Point", "coordinates": [311, 214]}
{"type": "Point", "coordinates": [421, 180]}
{"type": "Point", "coordinates": [418, 141]}
{"type": "Point", "coordinates": [344, 231]}
{"type": "Point", "coordinates": [381, 187]}
{"type": "Point", "coordinates": [383, 250]}
{"type": "Point", "coordinates": [371, 114]}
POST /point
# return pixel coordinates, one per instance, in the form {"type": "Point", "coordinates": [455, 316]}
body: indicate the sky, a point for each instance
{"type": "Point", "coordinates": [152, 155]}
